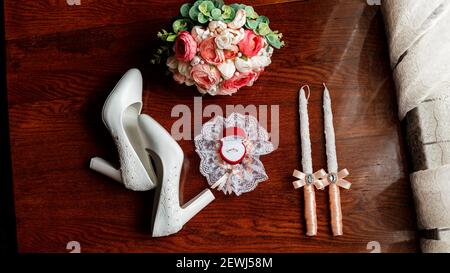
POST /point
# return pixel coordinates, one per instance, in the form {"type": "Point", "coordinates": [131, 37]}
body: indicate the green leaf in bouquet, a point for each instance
{"type": "Point", "coordinates": [251, 24]}
{"type": "Point", "coordinates": [184, 10]}
{"type": "Point", "coordinates": [193, 12]}
{"type": "Point", "coordinates": [161, 54]}
{"type": "Point", "coordinates": [180, 25]}
{"type": "Point", "coordinates": [274, 39]}
{"type": "Point", "coordinates": [218, 3]}
{"type": "Point", "coordinates": [216, 14]}
{"type": "Point", "coordinates": [206, 7]}
{"type": "Point", "coordinates": [238, 6]}
{"type": "Point", "coordinates": [228, 13]}
{"type": "Point", "coordinates": [165, 36]}
{"type": "Point", "coordinates": [202, 19]}
{"type": "Point", "coordinates": [250, 12]}
{"type": "Point", "coordinates": [162, 34]}
{"type": "Point", "coordinates": [263, 19]}
{"type": "Point", "coordinates": [171, 38]}
{"type": "Point", "coordinates": [263, 29]}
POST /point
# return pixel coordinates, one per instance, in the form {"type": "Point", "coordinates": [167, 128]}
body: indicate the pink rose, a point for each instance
{"type": "Point", "coordinates": [185, 47]}
{"type": "Point", "coordinates": [251, 44]}
{"type": "Point", "coordinates": [205, 76]}
{"type": "Point", "coordinates": [210, 53]}
{"type": "Point", "coordinates": [238, 81]}
{"type": "Point", "coordinates": [231, 53]}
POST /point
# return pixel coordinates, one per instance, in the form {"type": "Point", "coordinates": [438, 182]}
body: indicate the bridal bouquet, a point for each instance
{"type": "Point", "coordinates": [216, 47]}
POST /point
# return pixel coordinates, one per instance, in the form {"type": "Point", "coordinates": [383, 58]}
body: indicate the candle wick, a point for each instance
{"type": "Point", "coordinates": [309, 91]}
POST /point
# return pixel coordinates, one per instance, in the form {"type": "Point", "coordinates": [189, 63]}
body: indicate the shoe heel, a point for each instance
{"type": "Point", "coordinates": [104, 167]}
{"type": "Point", "coordinates": [196, 204]}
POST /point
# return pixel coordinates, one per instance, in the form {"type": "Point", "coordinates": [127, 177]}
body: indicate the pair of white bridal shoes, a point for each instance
{"type": "Point", "coordinates": [139, 138]}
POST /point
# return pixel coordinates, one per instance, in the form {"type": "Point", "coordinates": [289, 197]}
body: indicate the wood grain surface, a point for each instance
{"type": "Point", "coordinates": [62, 62]}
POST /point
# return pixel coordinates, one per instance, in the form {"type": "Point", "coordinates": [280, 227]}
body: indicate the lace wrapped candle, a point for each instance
{"type": "Point", "coordinates": [335, 179]}
{"type": "Point", "coordinates": [307, 179]}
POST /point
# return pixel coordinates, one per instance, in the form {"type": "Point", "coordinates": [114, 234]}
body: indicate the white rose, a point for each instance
{"type": "Point", "coordinates": [260, 61]}
{"type": "Point", "coordinates": [242, 65]}
{"type": "Point", "coordinates": [224, 40]}
{"type": "Point", "coordinates": [172, 63]}
{"type": "Point", "coordinates": [239, 20]}
{"type": "Point", "coordinates": [227, 69]}
{"type": "Point", "coordinates": [217, 27]}
{"type": "Point", "coordinates": [237, 35]}
{"type": "Point", "coordinates": [199, 34]}
{"type": "Point", "coordinates": [185, 69]}
{"type": "Point", "coordinates": [212, 91]}
{"type": "Point", "coordinates": [196, 60]}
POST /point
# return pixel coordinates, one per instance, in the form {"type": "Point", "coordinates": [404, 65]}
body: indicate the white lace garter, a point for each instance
{"type": "Point", "coordinates": [229, 150]}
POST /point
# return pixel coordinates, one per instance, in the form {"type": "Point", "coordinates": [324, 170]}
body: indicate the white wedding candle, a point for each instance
{"type": "Point", "coordinates": [334, 193]}
{"type": "Point", "coordinates": [308, 190]}
{"type": "Point", "coordinates": [304, 133]}
{"type": "Point", "coordinates": [329, 132]}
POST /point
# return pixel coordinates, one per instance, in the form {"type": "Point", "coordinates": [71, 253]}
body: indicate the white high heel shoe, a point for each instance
{"type": "Point", "coordinates": [168, 215]}
{"type": "Point", "coordinates": [120, 115]}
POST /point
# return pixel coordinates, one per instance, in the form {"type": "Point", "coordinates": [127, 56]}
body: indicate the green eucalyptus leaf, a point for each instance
{"type": "Point", "coordinates": [202, 19]}
{"type": "Point", "coordinates": [249, 9]}
{"type": "Point", "coordinates": [216, 14]}
{"type": "Point", "coordinates": [263, 19]}
{"type": "Point", "coordinates": [250, 12]}
{"type": "Point", "coordinates": [274, 40]}
{"type": "Point", "coordinates": [218, 3]}
{"type": "Point", "coordinates": [263, 29]}
{"type": "Point", "coordinates": [180, 24]}
{"type": "Point", "coordinates": [184, 10]}
{"type": "Point", "coordinates": [193, 12]}
{"type": "Point", "coordinates": [251, 24]}
{"type": "Point", "coordinates": [206, 7]}
{"type": "Point", "coordinates": [238, 6]}
{"type": "Point", "coordinates": [228, 13]}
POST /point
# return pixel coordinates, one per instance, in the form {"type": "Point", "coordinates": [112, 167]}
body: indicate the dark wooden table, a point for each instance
{"type": "Point", "coordinates": [62, 62]}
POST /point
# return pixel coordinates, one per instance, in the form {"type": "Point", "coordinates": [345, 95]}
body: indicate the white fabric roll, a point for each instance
{"type": "Point", "coordinates": [424, 72]}
{"type": "Point", "coordinates": [419, 43]}
{"type": "Point", "coordinates": [428, 133]}
{"type": "Point", "coordinates": [431, 190]}
{"type": "Point", "coordinates": [434, 246]}
{"type": "Point", "coordinates": [434, 121]}
{"type": "Point", "coordinates": [408, 20]}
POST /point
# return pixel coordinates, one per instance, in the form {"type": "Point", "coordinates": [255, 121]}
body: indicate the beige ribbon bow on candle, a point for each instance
{"type": "Point", "coordinates": [337, 179]}
{"type": "Point", "coordinates": [314, 179]}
